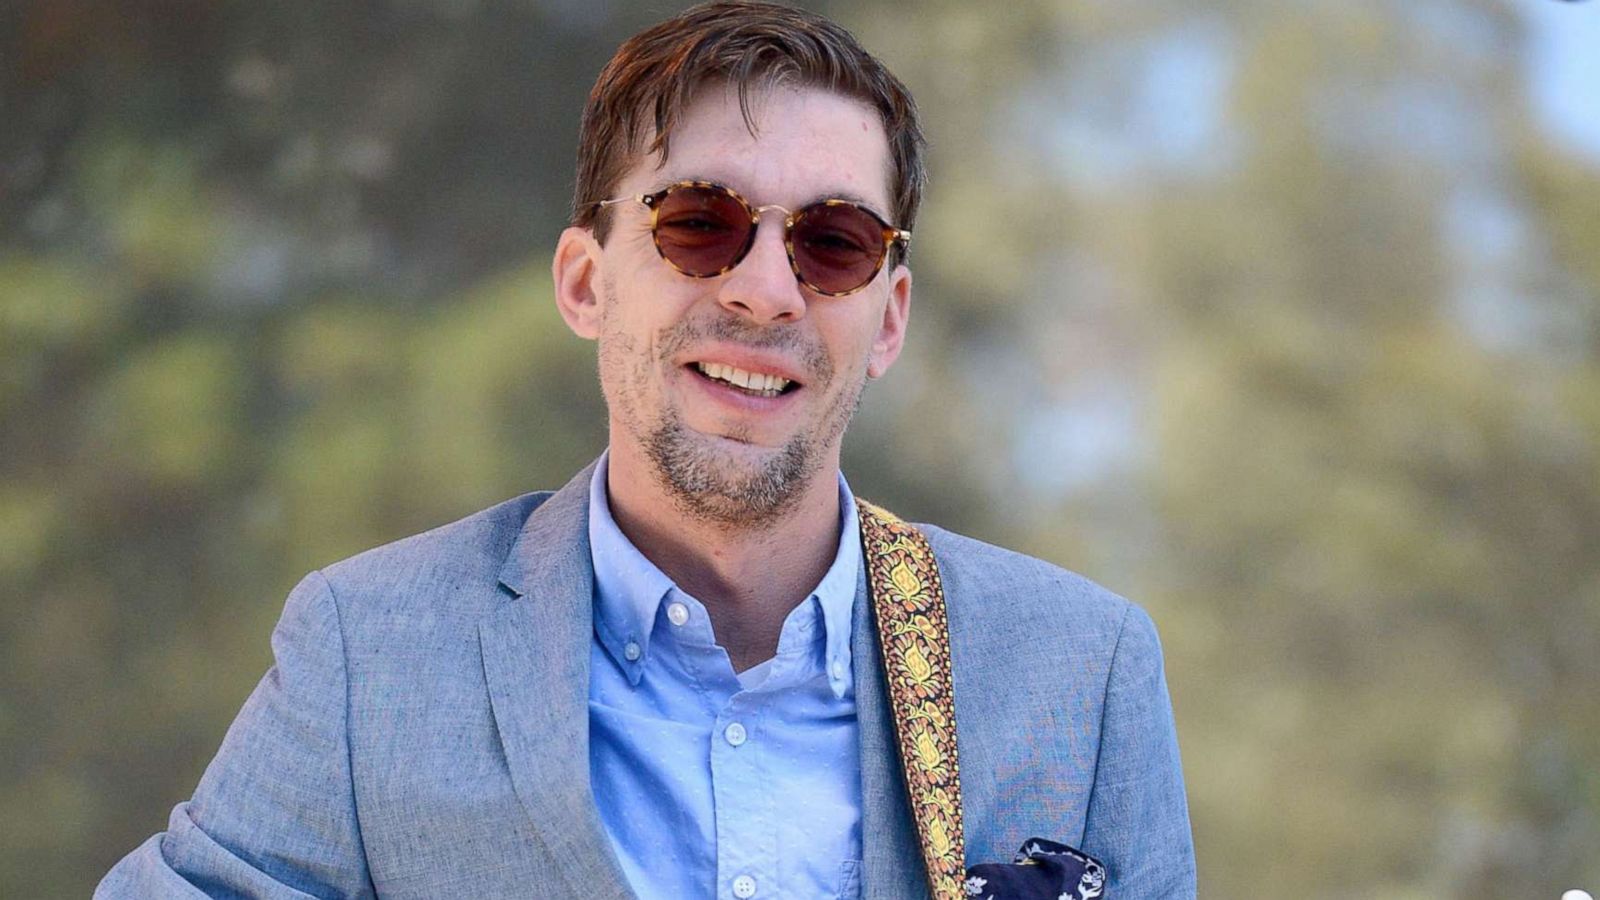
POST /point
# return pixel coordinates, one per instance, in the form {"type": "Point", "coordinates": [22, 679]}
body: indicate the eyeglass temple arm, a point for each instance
{"type": "Point", "coordinates": [602, 204]}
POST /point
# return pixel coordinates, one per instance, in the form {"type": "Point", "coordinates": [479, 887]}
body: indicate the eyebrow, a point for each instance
{"type": "Point", "coordinates": [662, 184]}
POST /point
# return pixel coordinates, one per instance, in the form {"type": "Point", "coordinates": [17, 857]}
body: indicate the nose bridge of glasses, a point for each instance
{"type": "Point", "coordinates": [756, 212]}
{"type": "Point", "coordinates": [759, 289]}
{"type": "Point", "coordinates": [755, 241]}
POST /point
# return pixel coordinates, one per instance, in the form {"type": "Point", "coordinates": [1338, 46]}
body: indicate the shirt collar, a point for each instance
{"type": "Point", "coordinates": [836, 593]}
{"type": "Point", "coordinates": [629, 588]}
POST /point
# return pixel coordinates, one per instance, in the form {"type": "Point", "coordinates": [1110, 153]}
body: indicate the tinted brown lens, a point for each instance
{"type": "Point", "coordinates": [837, 247]}
{"type": "Point", "coordinates": [701, 230]}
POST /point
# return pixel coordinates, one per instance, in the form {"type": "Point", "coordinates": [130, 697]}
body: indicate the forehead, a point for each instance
{"type": "Point", "coordinates": [808, 143]}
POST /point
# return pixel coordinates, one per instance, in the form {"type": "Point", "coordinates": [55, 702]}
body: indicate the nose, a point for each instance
{"type": "Point", "coordinates": [762, 287]}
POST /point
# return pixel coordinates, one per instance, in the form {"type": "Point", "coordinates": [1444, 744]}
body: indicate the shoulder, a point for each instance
{"type": "Point", "coordinates": [1064, 725]}
{"type": "Point", "coordinates": [1002, 597]}
{"type": "Point", "coordinates": [1009, 583]}
{"type": "Point", "coordinates": [455, 565]}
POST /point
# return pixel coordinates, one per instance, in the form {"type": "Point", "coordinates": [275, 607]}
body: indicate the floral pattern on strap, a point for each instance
{"type": "Point", "coordinates": [914, 636]}
{"type": "Point", "coordinates": [913, 633]}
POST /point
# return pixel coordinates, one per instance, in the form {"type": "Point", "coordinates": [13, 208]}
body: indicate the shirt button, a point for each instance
{"type": "Point", "coordinates": [677, 613]}
{"type": "Point", "coordinates": [744, 886]}
{"type": "Point", "coordinates": [736, 736]}
{"type": "Point", "coordinates": [838, 669]}
{"type": "Point", "coordinates": [631, 651]}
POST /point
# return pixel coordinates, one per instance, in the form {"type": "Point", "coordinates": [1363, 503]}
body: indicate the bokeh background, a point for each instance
{"type": "Point", "coordinates": [1282, 318]}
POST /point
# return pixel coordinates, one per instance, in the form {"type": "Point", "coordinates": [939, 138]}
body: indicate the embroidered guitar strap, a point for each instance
{"type": "Point", "coordinates": [914, 636]}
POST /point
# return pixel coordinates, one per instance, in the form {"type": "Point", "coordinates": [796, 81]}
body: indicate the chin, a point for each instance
{"type": "Point", "coordinates": [729, 480]}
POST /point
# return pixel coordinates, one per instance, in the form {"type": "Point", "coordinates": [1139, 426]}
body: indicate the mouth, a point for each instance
{"type": "Point", "coordinates": [754, 384]}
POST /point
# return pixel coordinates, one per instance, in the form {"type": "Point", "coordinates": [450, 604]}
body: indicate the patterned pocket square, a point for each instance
{"type": "Point", "coordinates": [1042, 870]}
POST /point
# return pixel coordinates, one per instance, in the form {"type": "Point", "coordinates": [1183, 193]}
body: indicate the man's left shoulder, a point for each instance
{"type": "Point", "coordinates": [1066, 730]}
{"type": "Point", "coordinates": [992, 589]}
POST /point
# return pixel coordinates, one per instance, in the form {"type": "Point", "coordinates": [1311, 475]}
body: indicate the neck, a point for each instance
{"type": "Point", "coordinates": [749, 575]}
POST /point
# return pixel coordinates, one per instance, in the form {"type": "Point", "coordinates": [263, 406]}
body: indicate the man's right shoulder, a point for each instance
{"type": "Point", "coordinates": [450, 568]}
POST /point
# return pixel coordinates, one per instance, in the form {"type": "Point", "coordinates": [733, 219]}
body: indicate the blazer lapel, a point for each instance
{"type": "Point", "coordinates": [536, 648]}
{"type": "Point", "coordinates": [892, 864]}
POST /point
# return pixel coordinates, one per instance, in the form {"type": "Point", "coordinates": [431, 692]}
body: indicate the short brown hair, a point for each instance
{"type": "Point", "coordinates": [655, 74]}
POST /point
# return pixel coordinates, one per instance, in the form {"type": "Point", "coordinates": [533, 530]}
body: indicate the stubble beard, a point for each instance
{"type": "Point", "coordinates": [705, 478]}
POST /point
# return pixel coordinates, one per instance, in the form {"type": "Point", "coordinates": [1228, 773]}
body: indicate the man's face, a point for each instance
{"type": "Point", "coordinates": [723, 451]}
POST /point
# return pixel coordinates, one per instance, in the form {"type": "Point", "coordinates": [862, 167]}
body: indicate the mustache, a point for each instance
{"type": "Point", "coordinates": [674, 339]}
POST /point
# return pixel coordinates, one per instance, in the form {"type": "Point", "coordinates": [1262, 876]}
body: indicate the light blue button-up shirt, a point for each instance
{"type": "Point", "coordinates": [712, 784]}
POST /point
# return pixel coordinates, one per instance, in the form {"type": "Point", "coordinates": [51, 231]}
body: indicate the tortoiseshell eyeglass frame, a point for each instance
{"type": "Point", "coordinates": [891, 234]}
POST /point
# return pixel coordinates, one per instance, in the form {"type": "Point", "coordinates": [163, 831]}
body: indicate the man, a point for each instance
{"type": "Point", "coordinates": [663, 679]}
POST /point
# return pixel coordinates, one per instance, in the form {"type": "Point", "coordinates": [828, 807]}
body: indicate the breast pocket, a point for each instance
{"type": "Point", "coordinates": [849, 880]}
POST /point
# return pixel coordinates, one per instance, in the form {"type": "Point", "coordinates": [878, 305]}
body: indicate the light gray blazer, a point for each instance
{"type": "Point", "coordinates": [424, 730]}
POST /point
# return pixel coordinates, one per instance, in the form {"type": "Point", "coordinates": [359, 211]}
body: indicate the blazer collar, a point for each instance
{"type": "Point", "coordinates": [536, 646]}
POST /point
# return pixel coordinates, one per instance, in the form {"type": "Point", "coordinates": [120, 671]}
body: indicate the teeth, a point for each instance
{"type": "Point", "coordinates": [770, 385]}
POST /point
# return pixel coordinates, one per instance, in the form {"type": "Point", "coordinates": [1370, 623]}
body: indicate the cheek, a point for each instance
{"type": "Point", "coordinates": [852, 349]}
{"type": "Point", "coordinates": [618, 349]}
{"type": "Point", "coordinates": [623, 330]}
{"type": "Point", "coordinates": [631, 351]}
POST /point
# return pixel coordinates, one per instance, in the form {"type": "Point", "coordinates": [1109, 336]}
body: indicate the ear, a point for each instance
{"type": "Point", "coordinates": [576, 269]}
{"type": "Point", "coordinates": [892, 330]}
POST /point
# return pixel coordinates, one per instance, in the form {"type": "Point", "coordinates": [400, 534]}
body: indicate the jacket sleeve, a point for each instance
{"type": "Point", "coordinates": [1138, 816]}
{"type": "Point", "coordinates": [274, 815]}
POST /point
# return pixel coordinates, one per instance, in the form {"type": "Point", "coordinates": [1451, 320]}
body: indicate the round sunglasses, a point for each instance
{"type": "Point", "coordinates": [704, 229]}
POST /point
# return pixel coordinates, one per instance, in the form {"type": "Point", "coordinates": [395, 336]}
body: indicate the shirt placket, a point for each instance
{"type": "Point", "coordinates": [747, 838]}
{"type": "Point", "coordinates": [746, 832]}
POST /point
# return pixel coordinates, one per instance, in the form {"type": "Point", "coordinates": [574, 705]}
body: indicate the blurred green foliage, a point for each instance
{"type": "Point", "coordinates": [1279, 318]}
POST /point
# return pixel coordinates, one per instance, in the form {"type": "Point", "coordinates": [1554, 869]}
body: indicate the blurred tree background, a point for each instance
{"type": "Point", "coordinates": [1280, 318]}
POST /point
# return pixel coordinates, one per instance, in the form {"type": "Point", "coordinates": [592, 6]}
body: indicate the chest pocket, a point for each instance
{"type": "Point", "coordinates": [849, 880]}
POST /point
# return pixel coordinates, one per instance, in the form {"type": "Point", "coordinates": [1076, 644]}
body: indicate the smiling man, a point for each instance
{"type": "Point", "coordinates": [729, 394]}
{"type": "Point", "coordinates": [684, 674]}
